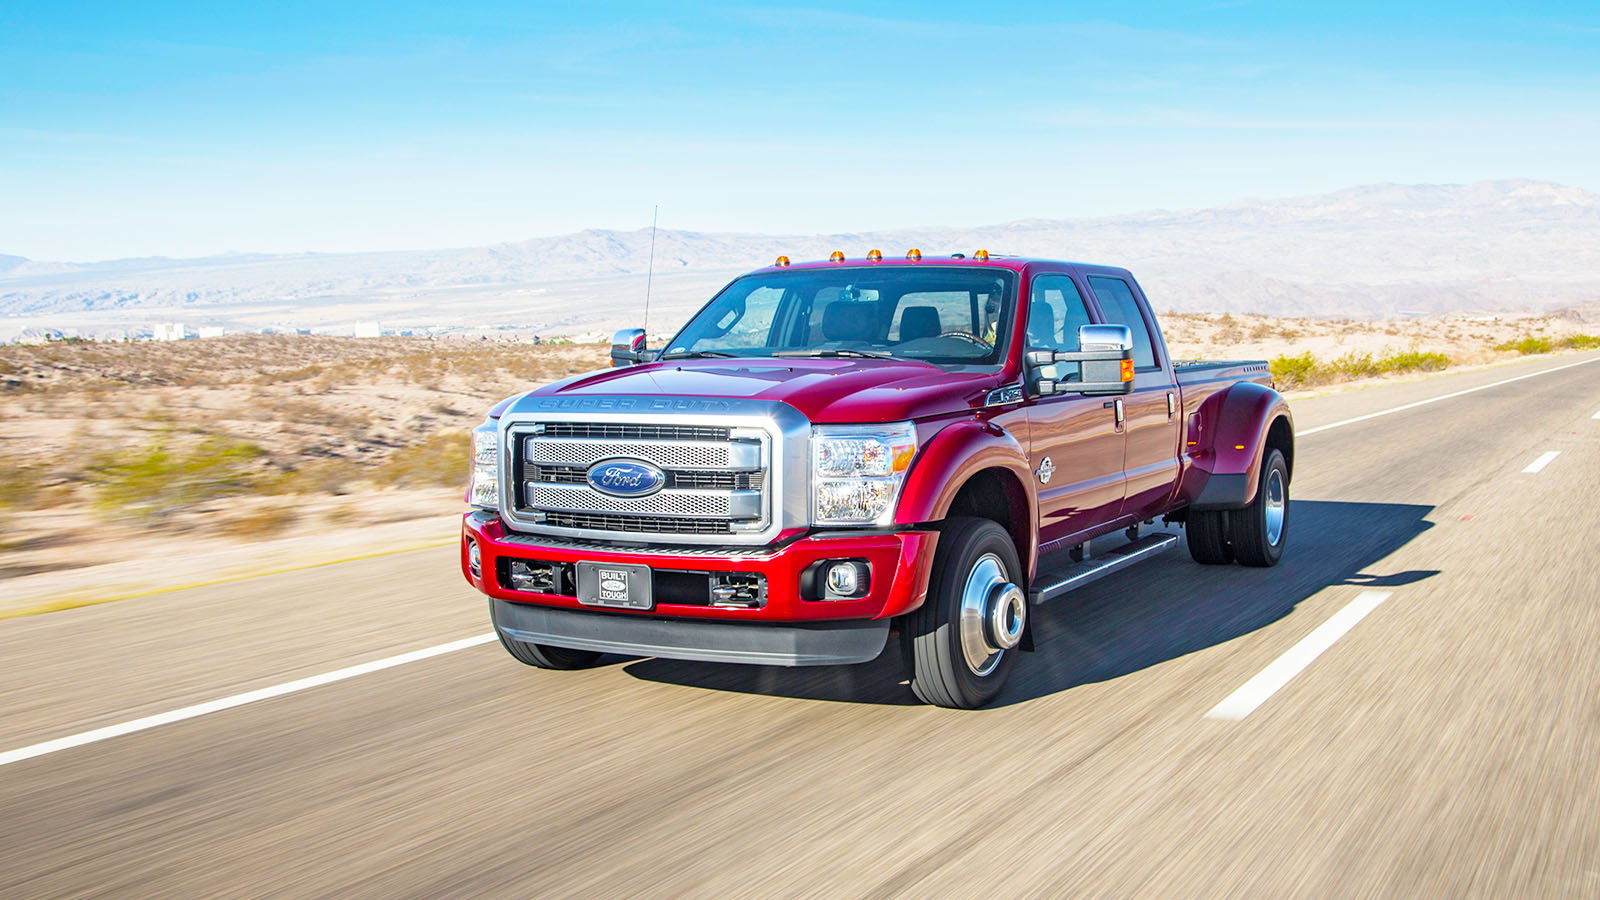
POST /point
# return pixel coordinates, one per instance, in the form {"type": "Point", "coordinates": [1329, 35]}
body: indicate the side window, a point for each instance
{"type": "Point", "coordinates": [1055, 310]}
{"type": "Point", "coordinates": [1117, 302]}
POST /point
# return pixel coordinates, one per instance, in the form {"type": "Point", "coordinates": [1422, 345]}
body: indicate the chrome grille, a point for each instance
{"type": "Point", "coordinates": [663, 503]}
{"type": "Point", "coordinates": [683, 479]}
{"type": "Point", "coordinates": [716, 478]}
{"type": "Point", "coordinates": [639, 524]}
{"type": "Point", "coordinates": [582, 452]}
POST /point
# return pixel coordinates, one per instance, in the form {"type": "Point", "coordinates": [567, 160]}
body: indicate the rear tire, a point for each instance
{"type": "Point", "coordinates": [962, 642]}
{"type": "Point", "coordinates": [543, 656]}
{"type": "Point", "coordinates": [1260, 529]}
{"type": "Point", "coordinates": [1207, 533]}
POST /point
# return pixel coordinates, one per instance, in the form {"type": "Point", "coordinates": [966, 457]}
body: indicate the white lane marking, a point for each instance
{"type": "Point", "coordinates": [1543, 460]}
{"type": "Point", "coordinates": [1255, 692]}
{"type": "Point", "coordinates": [1595, 416]}
{"type": "Point", "coordinates": [211, 706]}
{"type": "Point", "coordinates": [1404, 407]}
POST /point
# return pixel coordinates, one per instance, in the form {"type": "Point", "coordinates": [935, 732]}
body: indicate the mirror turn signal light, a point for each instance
{"type": "Point", "coordinates": [781, 261]}
{"type": "Point", "coordinates": [1127, 370]}
{"type": "Point", "coordinates": [913, 253]}
{"type": "Point", "coordinates": [836, 256]}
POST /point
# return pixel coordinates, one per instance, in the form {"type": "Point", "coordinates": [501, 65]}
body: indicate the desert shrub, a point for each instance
{"type": "Point", "coordinates": [1581, 341]}
{"type": "Point", "coordinates": [24, 484]}
{"type": "Point", "coordinates": [259, 521]}
{"type": "Point", "coordinates": [1527, 346]}
{"type": "Point", "coordinates": [1414, 361]}
{"type": "Point", "coordinates": [164, 476]}
{"type": "Point", "coordinates": [333, 475]}
{"type": "Point", "coordinates": [1290, 371]}
{"type": "Point", "coordinates": [1306, 370]}
{"type": "Point", "coordinates": [439, 460]}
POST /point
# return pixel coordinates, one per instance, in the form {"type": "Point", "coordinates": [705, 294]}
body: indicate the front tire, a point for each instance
{"type": "Point", "coordinates": [1260, 529]}
{"type": "Point", "coordinates": [542, 656]}
{"type": "Point", "coordinates": [962, 641]}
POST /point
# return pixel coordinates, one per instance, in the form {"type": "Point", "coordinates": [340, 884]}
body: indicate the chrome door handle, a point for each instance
{"type": "Point", "coordinates": [1172, 406]}
{"type": "Point", "coordinates": [1116, 407]}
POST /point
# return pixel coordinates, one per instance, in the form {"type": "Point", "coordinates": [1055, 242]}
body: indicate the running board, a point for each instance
{"type": "Point", "coordinates": [1057, 581]}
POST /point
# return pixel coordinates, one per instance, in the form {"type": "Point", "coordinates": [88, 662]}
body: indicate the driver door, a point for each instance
{"type": "Point", "coordinates": [1076, 448]}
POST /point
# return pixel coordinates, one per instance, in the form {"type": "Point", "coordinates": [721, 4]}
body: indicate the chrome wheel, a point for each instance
{"type": "Point", "coordinates": [1275, 506]}
{"type": "Point", "coordinates": [993, 614]}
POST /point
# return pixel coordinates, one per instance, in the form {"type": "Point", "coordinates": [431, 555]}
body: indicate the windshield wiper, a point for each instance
{"type": "Point", "coordinates": [843, 351]}
{"type": "Point", "coordinates": [698, 354]}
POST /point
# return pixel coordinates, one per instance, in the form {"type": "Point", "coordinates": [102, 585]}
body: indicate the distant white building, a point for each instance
{"type": "Point", "coordinates": [210, 331]}
{"type": "Point", "coordinates": [367, 330]}
{"type": "Point", "coordinates": [168, 331]}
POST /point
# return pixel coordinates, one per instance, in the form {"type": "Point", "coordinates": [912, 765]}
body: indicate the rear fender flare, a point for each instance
{"type": "Point", "coordinates": [1227, 438]}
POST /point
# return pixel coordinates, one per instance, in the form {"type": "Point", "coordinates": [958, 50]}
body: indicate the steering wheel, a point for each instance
{"type": "Point", "coordinates": [969, 338]}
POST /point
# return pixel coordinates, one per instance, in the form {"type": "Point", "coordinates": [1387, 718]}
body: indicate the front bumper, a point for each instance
{"type": "Point", "coordinates": [900, 562]}
{"type": "Point", "coordinates": [707, 640]}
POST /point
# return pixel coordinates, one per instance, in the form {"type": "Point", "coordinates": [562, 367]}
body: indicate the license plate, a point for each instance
{"type": "Point", "coordinates": [617, 586]}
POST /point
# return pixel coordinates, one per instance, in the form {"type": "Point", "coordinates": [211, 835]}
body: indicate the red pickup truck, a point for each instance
{"type": "Point", "coordinates": [831, 453]}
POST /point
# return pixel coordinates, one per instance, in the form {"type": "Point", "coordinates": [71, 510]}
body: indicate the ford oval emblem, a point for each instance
{"type": "Point", "coordinates": [626, 478]}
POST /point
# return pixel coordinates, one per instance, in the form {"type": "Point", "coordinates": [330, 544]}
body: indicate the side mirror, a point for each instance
{"type": "Point", "coordinates": [627, 348]}
{"type": "Point", "coordinates": [1104, 358]}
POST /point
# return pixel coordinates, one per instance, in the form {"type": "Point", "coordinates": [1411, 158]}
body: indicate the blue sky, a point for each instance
{"type": "Point", "coordinates": [186, 128]}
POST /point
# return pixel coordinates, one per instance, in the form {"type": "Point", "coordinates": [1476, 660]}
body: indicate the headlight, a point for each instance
{"type": "Point", "coordinates": [857, 470]}
{"type": "Point", "coordinates": [485, 489]}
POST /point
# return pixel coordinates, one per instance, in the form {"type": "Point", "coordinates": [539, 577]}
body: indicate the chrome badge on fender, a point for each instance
{"type": "Point", "coordinates": [626, 478]}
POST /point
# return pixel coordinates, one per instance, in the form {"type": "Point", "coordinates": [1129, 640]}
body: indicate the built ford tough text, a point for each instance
{"type": "Point", "coordinates": [832, 454]}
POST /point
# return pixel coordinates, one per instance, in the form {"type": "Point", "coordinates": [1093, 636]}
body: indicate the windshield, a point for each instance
{"type": "Point", "coordinates": [952, 317]}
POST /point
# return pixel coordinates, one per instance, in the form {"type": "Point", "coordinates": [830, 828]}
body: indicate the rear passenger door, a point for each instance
{"type": "Point", "coordinates": [1150, 410]}
{"type": "Point", "coordinates": [1075, 447]}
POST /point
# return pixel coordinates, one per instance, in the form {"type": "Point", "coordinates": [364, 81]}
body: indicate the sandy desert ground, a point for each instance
{"type": "Point", "coordinates": [131, 465]}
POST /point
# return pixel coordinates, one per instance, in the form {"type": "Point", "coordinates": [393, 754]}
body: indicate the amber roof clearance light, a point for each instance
{"type": "Point", "coordinates": [874, 255]}
{"type": "Point", "coordinates": [781, 261]}
{"type": "Point", "coordinates": [981, 254]}
{"type": "Point", "coordinates": [836, 256]}
{"type": "Point", "coordinates": [913, 253]}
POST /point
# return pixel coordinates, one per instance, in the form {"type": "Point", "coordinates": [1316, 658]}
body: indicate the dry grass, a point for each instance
{"type": "Point", "coordinates": [155, 432]}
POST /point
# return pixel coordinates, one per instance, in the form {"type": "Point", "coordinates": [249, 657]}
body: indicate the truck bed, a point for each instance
{"type": "Point", "coordinates": [1197, 372]}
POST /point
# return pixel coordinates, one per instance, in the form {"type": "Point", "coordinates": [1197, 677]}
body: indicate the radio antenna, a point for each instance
{"type": "Point", "coordinates": [650, 271]}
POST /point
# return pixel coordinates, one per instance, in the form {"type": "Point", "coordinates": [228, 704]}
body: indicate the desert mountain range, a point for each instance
{"type": "Point", "coordinates": [1375, 250]}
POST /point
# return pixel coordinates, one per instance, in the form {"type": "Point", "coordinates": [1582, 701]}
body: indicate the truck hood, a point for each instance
{"type": "Point", "coordinates": [823, 390]}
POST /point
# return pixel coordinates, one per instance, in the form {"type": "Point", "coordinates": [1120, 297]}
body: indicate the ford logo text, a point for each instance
{"type": "Point", "coordinates": [626, 478]}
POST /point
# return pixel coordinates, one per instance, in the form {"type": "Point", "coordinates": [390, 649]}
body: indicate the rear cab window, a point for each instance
{"type": "Point", "coordinates": [1121, 308]}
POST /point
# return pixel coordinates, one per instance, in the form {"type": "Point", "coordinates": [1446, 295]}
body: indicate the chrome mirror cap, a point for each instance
{"type": "Point", "coordinates": [627, 347]}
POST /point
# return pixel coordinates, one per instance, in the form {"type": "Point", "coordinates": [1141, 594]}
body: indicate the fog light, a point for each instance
{"type": "Point", "coordinates": [843, 578]}
{"type": "Point", "coordinates": [474, 559]}
{"type": "Point", "coordinates": [839, 579]}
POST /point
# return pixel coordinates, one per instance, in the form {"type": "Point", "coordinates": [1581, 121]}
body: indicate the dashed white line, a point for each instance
{"type": "Point", "coordinates": [1406, 406]}
{"type": "Point", "coordinates": [1543, 460]}
{"type": "Point", "coordinates": [211, 706]}
{"type": "Point", "coordinates": [1255, 692]}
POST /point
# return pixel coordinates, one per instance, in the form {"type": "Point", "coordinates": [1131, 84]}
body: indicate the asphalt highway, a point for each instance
{"type": "Point", "coordinates": [1412, 709]}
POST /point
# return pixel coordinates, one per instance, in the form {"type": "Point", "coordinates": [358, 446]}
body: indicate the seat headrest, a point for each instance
{"type": "Point", "coordinates": [920, 322]}
{"type": "Point", "coordinates": [1041, 324]}
{"type": "Point", "coordinates": [850, 320]}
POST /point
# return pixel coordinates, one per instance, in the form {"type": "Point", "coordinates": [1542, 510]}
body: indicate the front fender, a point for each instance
{"type": "Point", "coordinates": [1226, 441]}
{"type": "Point", "coordinates": [953, 456]}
